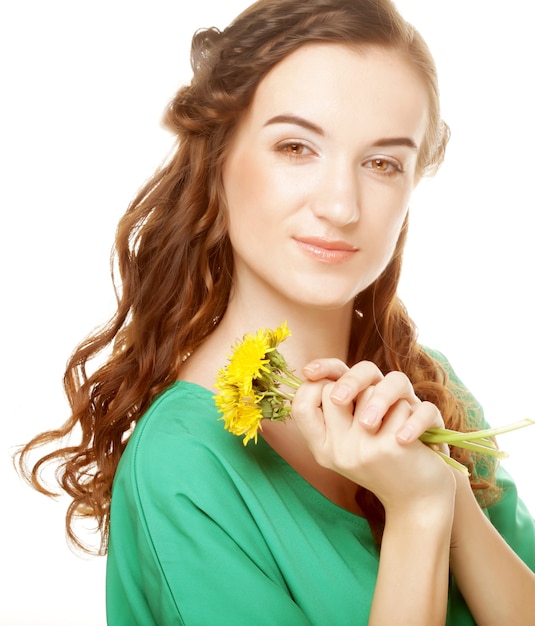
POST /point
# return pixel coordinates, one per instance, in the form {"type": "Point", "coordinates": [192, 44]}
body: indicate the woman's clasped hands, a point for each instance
{"type": "Point", "coordinates": [366, 426]}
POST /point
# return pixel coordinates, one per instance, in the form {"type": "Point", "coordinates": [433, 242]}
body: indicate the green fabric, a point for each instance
{"type": "Point", "coordinates": [207, 532]}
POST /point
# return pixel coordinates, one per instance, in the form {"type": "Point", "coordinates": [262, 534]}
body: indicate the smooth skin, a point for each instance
{"type": "Point", "coordinates": [318, 179]}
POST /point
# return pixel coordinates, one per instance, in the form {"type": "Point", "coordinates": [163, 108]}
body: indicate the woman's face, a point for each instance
{"type": "Point", "coordinates": [319, 174]}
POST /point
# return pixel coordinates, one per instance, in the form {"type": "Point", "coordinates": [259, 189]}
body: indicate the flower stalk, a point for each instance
{"type": "Point", "coordinates": [250, 391]}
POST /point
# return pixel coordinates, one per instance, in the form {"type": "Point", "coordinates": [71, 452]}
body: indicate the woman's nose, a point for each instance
{"type": "Point", "coordinates": [337, 197]}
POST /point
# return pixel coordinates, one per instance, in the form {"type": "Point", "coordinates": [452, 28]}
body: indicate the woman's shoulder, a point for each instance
{"type": "Point", "coordinates": [180, 426]}
{"type": "Point", "coordinates": [184, 406]}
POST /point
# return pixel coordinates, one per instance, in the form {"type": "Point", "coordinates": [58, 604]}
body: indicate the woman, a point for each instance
{"type": "Point", "coordinates": [300, 139]}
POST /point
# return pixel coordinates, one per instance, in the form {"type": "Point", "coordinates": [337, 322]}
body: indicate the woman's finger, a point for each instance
{"type": "Point", "coordinates": [330, 369]}
{"type": "Point", "coordinates": [355, 380]}
{"type": "Point", "coordinates": [425, 415]}
{"type": "Point", "coordinates": [395, 386]}
{"type": "Point", "coordinates": [307, 411]}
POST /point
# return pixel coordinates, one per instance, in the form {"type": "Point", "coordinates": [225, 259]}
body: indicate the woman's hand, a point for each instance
{"type": "Point", "coordinates": [366, 426]}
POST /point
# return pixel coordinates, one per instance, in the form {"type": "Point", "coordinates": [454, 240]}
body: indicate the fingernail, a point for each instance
{"type": "Point", "coordinates": [312, 367]}
{"type": "Point", "coordinates": [340, 393]}
{"type": "Point", "coordinates": [406, 433]}
{"type": "Point", "coordinates": [370, 416]}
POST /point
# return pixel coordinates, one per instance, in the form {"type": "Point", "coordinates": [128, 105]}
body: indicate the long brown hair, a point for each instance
{"type": "Point", "coordinates": [175, 262]}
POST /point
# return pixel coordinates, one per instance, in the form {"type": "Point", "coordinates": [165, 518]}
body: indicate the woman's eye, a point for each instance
{"type": "Point", "coordinates": [293, 148]}
{"type": "Point", "coordinates": [384, 166]}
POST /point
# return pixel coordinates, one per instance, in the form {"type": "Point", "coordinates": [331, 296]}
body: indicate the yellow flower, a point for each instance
{"type": "Point", "coordinates": [278, 335]}
{"type": "Point", "coordinates": [249, 384]}
{"type": "Point", "coordinates": [247, 418]}
{"type": "Point", "coordinates": [248, 361]}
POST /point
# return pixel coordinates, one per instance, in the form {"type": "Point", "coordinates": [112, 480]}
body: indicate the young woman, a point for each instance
{"type": "Point", "coordinates": [303, 133]}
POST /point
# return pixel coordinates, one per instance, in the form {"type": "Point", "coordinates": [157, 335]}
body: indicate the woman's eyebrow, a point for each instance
{"type": "Point", "coordinates": [396, 141]}
{"type": "Point", "coordinates": [295, 119]}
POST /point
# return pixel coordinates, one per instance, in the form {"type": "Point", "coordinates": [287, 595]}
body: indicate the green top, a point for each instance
{"type": "Point", "coordinates": [207, 532]}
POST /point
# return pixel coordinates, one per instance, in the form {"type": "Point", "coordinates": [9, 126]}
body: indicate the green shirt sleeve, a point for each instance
{"type": "Point", "coordinates": [189, 562]}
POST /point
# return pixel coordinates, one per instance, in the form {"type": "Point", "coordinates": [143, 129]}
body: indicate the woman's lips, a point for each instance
{"type": "Point", "coordinates": [327, 250]}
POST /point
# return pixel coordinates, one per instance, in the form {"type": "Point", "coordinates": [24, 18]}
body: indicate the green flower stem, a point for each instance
{"type": "Point", "coordinates": [475, 447]}
{"type": "Point", "coordinates": [476, 441]}
{"type": "Point", "coordinates": [442, 435]}
{"type": "Point", "coordinates": [277, 393]}
{"type": "Point", "coordinates": [293, 382]}
{"type": "Point", "coordinates": [458, 466]}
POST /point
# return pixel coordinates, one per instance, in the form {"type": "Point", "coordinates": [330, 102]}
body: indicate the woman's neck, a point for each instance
{"type": "Point", "coordinates": [314, 334]}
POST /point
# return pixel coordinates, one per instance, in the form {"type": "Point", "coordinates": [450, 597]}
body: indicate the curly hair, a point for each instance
{"type": "Point", "coordinates": [175, 261]}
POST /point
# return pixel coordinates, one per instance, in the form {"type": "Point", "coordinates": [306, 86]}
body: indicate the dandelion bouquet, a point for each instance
{"type": "Point", "coordinates": [250, 385]}
{"type": "Point", "coordinates": [250, 391]}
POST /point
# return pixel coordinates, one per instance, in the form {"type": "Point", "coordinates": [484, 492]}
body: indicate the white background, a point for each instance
{"type": "Point", "coordinates": [84, 86]}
